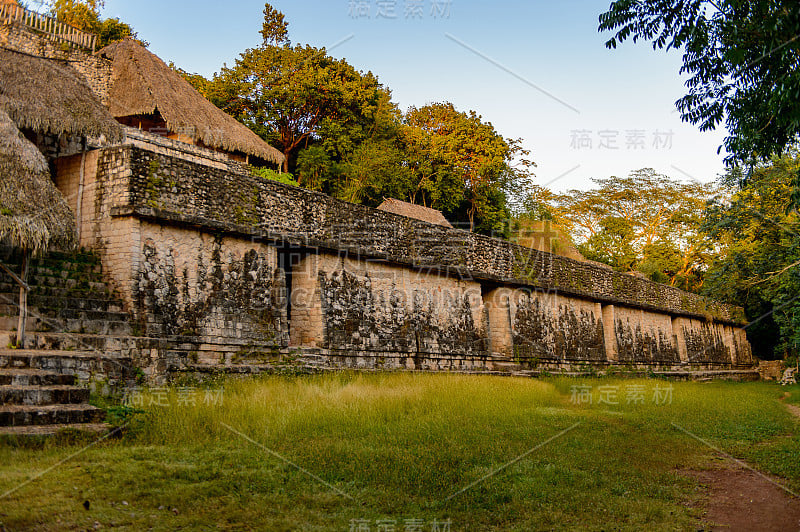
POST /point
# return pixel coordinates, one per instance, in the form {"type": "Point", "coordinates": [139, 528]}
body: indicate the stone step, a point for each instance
{"type": "Point", "coordinates": [246, 369]}
{"type": "Point", "coordinates": [51, 430]}
{"type": "Point", "coordinates": [45, 283]}
{"type": "Point", "coordinates": [93, 290]}
{"type": "Point", "coordinates": [9, 304]}
{"type": "Point", "coordinates": [83, 365]}
{"type": "Point", "coordinates": [17, 415]}
{"type": "Point", "coordinates": [56, 266]}
{"type": "Point", "coordinates": [34, 377]}
{"type": "Point", "coordinates": [42, 395]}
{"type": "Point", "coordinates": [71, 325]}
{"type": "Point", "coordinates": [60, 341]}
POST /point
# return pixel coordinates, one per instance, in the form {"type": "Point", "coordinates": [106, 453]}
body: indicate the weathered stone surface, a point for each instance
{"type": "Point", "coordinates": [232, 271]}
{"type": "Point", "coordinates": [175, 190]}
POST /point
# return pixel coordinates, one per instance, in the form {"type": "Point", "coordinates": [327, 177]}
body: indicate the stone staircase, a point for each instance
{"type": "Point", "coordinates": [77, 334]}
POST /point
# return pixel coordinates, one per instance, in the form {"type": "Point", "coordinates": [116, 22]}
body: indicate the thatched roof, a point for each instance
{"type": "Point", "coordinates": [143, 85]}
{"type": "Point", "coordinates": [33, 213]}
{"type": "Point", "coordinates": [418, 212]}
{"type": "Point", "coordinates": [49, 97]}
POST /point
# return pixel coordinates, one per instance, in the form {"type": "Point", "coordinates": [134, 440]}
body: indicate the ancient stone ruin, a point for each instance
{"type": "Point", "coordinates": [193, 265]}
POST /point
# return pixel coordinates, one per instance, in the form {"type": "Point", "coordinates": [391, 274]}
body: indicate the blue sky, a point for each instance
{"type": "Point", "coordinates": [535, 69]}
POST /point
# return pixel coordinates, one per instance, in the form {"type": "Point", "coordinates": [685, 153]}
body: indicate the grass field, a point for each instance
{"type": "Point", "coordinates": [340, 451]}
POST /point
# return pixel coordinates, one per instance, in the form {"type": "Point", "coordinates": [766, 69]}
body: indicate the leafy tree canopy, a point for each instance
{"type": "Point", "coordinates": [742, 58]}
{"type": "Point", "coordinates": [342, 134]}
{"type": "Point", "coordinates": [759, 267]}
{"type": "Point", "coordinates": [463, 146]}
{"type": "Point", "coordinates": [645, 222]}
{"type": "Point", "coordinates": [294, 96]}
{"type": "Point", "coordinates": [85, 15]}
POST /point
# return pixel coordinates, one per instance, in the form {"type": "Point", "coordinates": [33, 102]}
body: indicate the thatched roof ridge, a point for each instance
{"type": "Point", "coordinates": [144, 84]}
{"type": "Point", "coordinates": [410, 210]}
{"type": "Point", "coordinates": [50, 97]}
{"type": "Point", "coordinates": [33, 213]}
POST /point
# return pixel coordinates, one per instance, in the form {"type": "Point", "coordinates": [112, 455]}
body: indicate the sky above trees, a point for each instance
{"type": "Point", "coordinates": [536, 70]}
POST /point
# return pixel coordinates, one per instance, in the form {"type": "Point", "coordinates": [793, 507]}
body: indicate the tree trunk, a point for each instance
{"type": "Point", "coordinates": [23, 300]}
{"type": "Point", "coordinates": [471, 214]}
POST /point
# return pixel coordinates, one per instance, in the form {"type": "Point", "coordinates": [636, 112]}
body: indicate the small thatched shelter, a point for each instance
{"type": "Point", "coordinates": [33, 213]}
{"type": "Point", "coordinates": [418, 212]}
{"type": "Point", "coordinates": [49, 97]}
{"type": "Point", "coordinates": [144, 87]}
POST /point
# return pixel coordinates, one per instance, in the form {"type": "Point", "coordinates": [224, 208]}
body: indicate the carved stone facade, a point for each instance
{"type": "Point", "coordinates": [223, 265]}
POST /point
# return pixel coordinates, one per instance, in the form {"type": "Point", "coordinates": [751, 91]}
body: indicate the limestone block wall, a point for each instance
{"type": "Point", "coordinates": [171, 188]}
{"type": "Point", "coordinates": [222, 262]}
{"type": "Point", "coordinates": [713, 343]}
{"type": "Point", "coordinates": [645, 337]}
{"type": "Point", "coordinates": [377, 307]}
{"type": "Point", "coordinates": [214, 295]}
{"type": "Point", "coordinates": [220, 290]}
{"type": "Point", "coordinates": [96, 71]}
{"type": "Point", "coordinates": [554, 327]}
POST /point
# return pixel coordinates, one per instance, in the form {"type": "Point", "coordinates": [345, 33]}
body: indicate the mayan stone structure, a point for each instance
{"type": "Point", "coordinates": [225, 265]}
{"type": "Point", "coordinates": [218, 269]}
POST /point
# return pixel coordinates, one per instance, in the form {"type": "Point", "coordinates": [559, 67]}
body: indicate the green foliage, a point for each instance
{"type": "Point", "coordinates": [741, 56]}
{"type": "Point", "coordinates": [760, 266]}
{"type": "Point", "coordinates": [373, 171]}
{"type": "Point", "coordinates": [645, 222]}
{"type": "Point", "coordinates": [315, 168]}
{"type": "Point", "coordinates": [296, 96]}
{"type": "Point", "coordinates": [342, 134]}
{"type": "Point", "coordinates": [85, 15]}
{"type": "Point", "coordinates": [275, 30]}
{"type": "Point", "coordinates": [612, 244]}
{"type": "Point", "coordinates": [272, 175]}
{"type": "Point", "coordinates": [456, 157]}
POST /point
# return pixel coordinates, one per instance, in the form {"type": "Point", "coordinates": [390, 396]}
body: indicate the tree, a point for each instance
{"type": "Point", "coordinates": [85, 15]}
{"type": "Point", "coordinates": [645, 222]}
{"type": "Point", "coordinates": [759, 266]}
{"type": "Point", "coordinates": [371, 172]}
{"type": "Point", "coordinates": [742, 58]}
{"type": "Point", "coordinates": [296, 96]}
{"type": "Point", "coordinates": [470, 148]}
{"type": "Point", "coordinates": [342, 134]}
{"type": "Point", "coordinates": [275, 30]}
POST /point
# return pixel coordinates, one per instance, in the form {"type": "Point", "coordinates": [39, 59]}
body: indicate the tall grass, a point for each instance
{"type": "Point", "coordinates": [337, 447]}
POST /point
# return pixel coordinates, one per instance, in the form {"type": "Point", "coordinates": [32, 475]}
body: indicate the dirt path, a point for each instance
{"type": "Point", "coordinates": [740, 499]}
{"type": "Point", "coordinates": [792, 408]}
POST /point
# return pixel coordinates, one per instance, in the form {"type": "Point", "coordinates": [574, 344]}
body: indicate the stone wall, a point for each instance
{"type": "Point", "coordinates": [214, 297]}
{"type": "Point", "coordinates": [96, 71]}
{"type": "Point", "coordinates": [554, 327]}
{"type": "Point", "coordinates": [217, 292]}
{"type": "Point", "coordinates": [174, 189]}
{"type": "Point", "coordinates": [207, 257]}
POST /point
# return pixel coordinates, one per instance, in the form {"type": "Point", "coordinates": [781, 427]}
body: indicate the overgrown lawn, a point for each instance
{"type": "Point", "coordinates": [323, 452]}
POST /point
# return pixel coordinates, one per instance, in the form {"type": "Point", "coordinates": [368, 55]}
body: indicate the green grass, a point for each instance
{"type": "Point", "coordinates": [396, 446]}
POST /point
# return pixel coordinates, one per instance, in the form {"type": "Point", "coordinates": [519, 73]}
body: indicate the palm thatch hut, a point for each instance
{"type": "Point", "coordinates": [418, 212]}
{"type": "Point", "coordinates": [145, 92]}
{"type": "Point", "coordinates": [33, 213]}
{"type": "Point", "coordinates": [51, 98]}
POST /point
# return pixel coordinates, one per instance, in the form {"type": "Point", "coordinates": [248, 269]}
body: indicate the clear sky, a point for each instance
{"type": "Point", "coordinates": [536, 69]}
